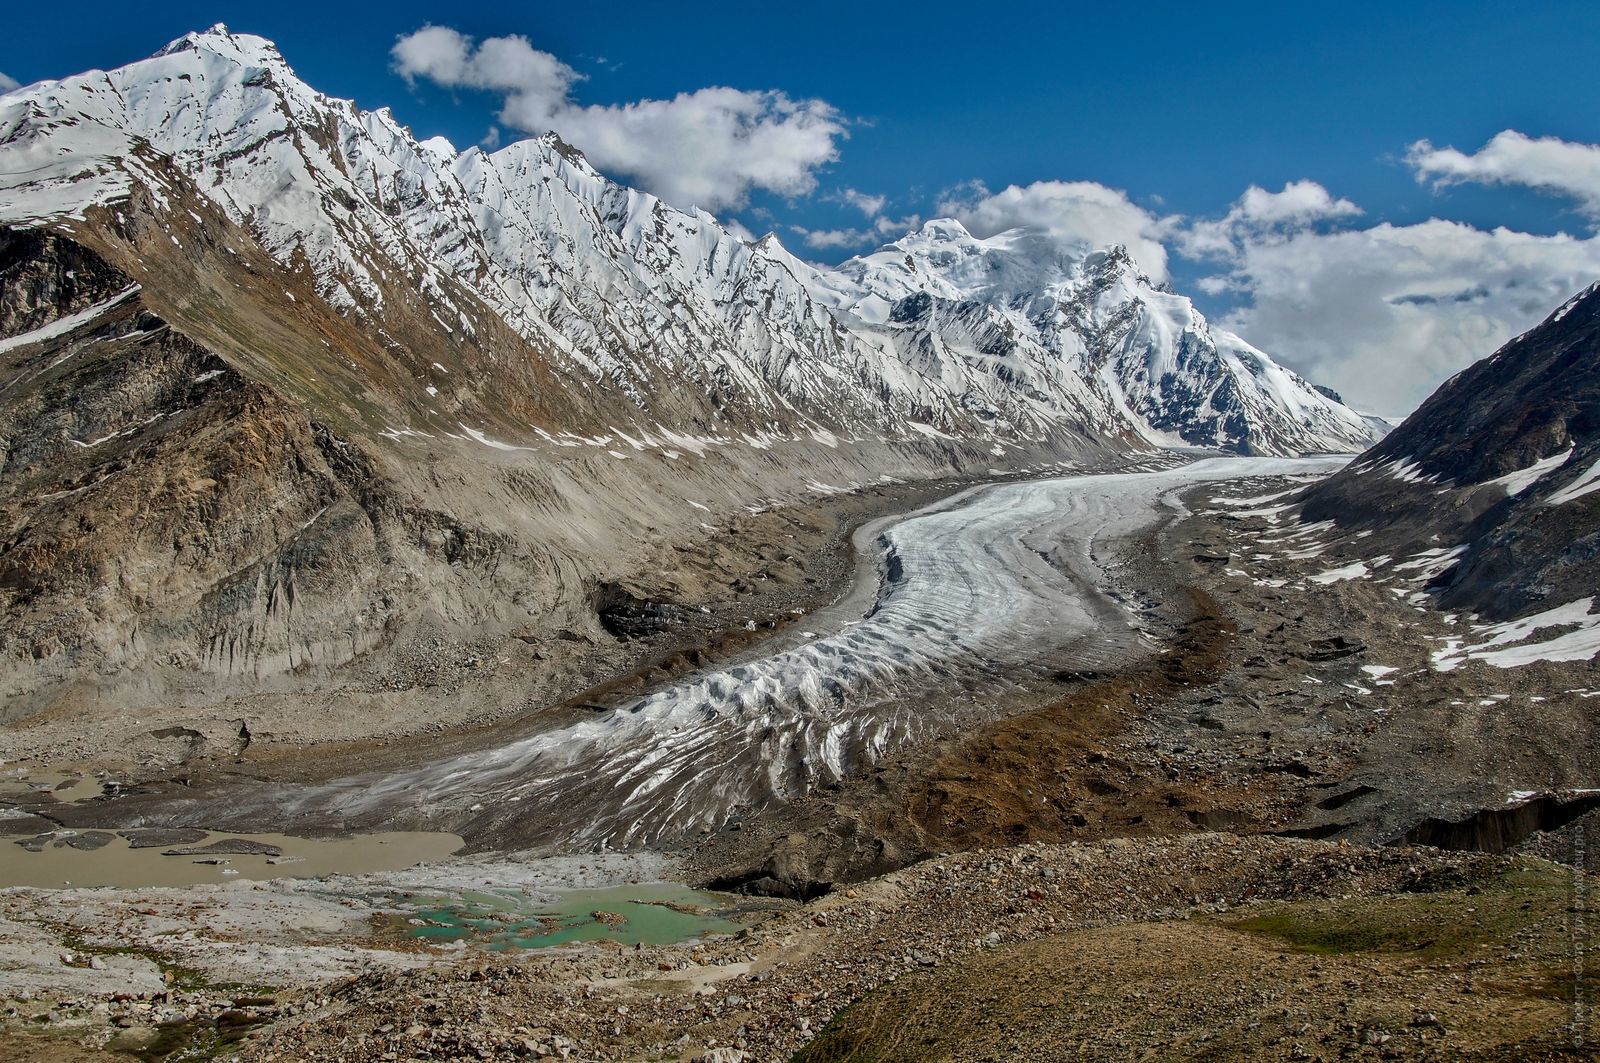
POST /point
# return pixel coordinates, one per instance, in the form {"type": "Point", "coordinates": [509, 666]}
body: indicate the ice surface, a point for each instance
{"type": "Point", "coordinates": [982, 585]}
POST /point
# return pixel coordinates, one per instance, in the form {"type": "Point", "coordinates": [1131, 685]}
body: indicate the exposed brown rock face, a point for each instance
{"type": "Point", "coordinates": [202, 506]}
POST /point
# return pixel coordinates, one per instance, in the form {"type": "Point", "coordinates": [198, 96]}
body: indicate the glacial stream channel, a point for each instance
{"type": "Point", "coordinates": [949, 602]}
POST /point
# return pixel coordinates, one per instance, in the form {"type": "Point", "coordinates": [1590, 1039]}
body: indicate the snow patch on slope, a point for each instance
{"type": "Point", "coordinates": [1587, 483]}
{"type": "Point", "coordinates": [67, 323]}
{"type": "Point", "coordinates": [1507, 645]}
{"type": "Point", "coordinates": [1517, 482]}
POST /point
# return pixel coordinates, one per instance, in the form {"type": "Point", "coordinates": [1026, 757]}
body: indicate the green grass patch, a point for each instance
{"type": "Point", "coordinates": [177, 975]}
{"type": "Point", "coordinates": [1439, 924]}
{"type": "Point", "coordinates": [856, 1037]}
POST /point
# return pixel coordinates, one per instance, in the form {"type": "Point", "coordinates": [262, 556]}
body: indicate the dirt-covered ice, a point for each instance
{"type": "Point", "coordinates": [988, 582]}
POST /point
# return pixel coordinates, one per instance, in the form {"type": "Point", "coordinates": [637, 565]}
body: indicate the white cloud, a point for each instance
{"type": "Point", "coordinates": [711, 147]}
{"type": "Point", "coordinates": [7, 82]}
{"type": "Point", "coordinates": [833, 239]}
{"type": "Point", "coordinates": [1549, 164]}
{"type": "Point", "coordinates": [501, 64]}
{"type": "Point", "coordinates": [1081, 213]}
{"type": "Point", "coordinates": [1259, 212]}
{"type": "Point", "coordinates": [871, 206]}
{"type": "Point", "coordinates": [1300, 203]}
{"type": "Point", "coordinates": [1384, 314]}
{"type": "Point", "coordinates": [739, 229]}
{"type": "Point", "coordinates": [880, 229]}
{"type": "Point", "coordinates": [707, 148]}
{"type": "Point", "coordinates": [888, 228]}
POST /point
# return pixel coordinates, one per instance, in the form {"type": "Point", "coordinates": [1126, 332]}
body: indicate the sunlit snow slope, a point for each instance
{"type": "Point", "coordinates": [662, 312]}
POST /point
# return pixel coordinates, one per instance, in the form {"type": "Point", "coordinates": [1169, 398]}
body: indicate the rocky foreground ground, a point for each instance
{"type": "Point", "coordinates": [1209, 945]}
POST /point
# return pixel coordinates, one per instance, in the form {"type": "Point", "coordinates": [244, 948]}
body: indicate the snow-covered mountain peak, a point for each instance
{"type": "Point", "coordinates": [1015, 335]}
{"type": "Point", "coordinates": [440, 148]}
{"type": "Point", "coordinates": [944, 259]}
{"type": "Point", "coordinates": [242, 47]}
{"type": "Point", "coordinates": [1037, 304]}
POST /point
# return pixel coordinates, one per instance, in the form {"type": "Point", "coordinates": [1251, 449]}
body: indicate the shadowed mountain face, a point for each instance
{"type": "Point", "coordinates": [284, 392]}
{"type": "Point", "coordinates": [1504, 462]}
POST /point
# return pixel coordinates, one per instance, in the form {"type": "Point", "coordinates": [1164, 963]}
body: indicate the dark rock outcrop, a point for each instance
{"type": "Point", "coordinates": [1448, 476]}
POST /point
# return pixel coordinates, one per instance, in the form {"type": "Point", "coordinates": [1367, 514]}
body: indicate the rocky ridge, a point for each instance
{"type": "Point", "coordinates": [1494, 477]}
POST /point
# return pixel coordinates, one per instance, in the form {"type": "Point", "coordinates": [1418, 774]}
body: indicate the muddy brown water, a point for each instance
{"type": "Point", "coordinates": [117, 864]}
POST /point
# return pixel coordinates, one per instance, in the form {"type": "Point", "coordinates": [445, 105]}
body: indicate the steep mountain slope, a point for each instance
{"type": "Point", "coordinates": [1502, 464]}
{"type": "Point", "coordinates": [1021, 309]}
{"type": "Point", "coordinates": [290, 401]}
{"type": "Point", "coordinates": [618, 287]}
{"type": "Point", "coordinates": [201, 503]}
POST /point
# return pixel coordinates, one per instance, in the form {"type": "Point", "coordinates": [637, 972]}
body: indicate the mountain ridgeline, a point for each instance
{"type": "Point", "coordinates": [1500, 464]}
{"type": "Point", "coordinates": [282, 388]}
{"type": "Point", "coordinates": [662, 315]}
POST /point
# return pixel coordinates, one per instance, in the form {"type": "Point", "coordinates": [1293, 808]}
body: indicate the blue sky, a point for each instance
{"type": "Point", "coordinates": [1181, 107]}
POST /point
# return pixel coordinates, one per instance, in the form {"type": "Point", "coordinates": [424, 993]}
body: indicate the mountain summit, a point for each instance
{"type": "Point", "coordinates": [1010, 338]}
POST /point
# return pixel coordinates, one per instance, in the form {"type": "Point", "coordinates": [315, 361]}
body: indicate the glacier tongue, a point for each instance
{"type": "Point", "coordinates": [1012, 337]}
{"type": "Point", "coordinates": [988, 583]}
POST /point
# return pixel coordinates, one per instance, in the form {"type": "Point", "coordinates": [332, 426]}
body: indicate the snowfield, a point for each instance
{"type": "Point", "coordinates": [1508, 645]}
{"type": "Point", "coordinates": [939, 335]}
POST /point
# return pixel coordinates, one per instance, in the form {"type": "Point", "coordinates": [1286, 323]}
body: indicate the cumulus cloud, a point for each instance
{"type": "Point", "coordinates": [1300, 203]}
{"type": "Point", "coordinates": [1259, 214]}
{"type": "Point", "coordinates": [881, 229]}
{"type": "Point", "coordinates": [1548, 164]}
{"type": "Point", "coordinates": [832, 239]}
{"type": "Point", "coordinates": [889, 228]}
{"type": "Point", "coordinates": [1384, 314]}
{"type": "Point", "coordinates": [7, 82]}
{"type": "Point", "coordinates": [533, 79]}
{"type": "Point", "coordinates": [706, 148]}
{"type": "Point", "coordinates": [739, 229]}
{"type": "Point", "coordinates": [1080, 213]}
{"type": "Point", "coordinates": [880, 226]}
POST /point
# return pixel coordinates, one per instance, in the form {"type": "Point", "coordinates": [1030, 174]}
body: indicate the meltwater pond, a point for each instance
{"type": "Point", "coordinates": [646, 914]}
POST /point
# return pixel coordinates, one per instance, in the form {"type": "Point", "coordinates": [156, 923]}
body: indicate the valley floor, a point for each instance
{"type": "Point", "coordinates": [1087, 912]}
{"type": "Point", "coordinates": [1199, 946]}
